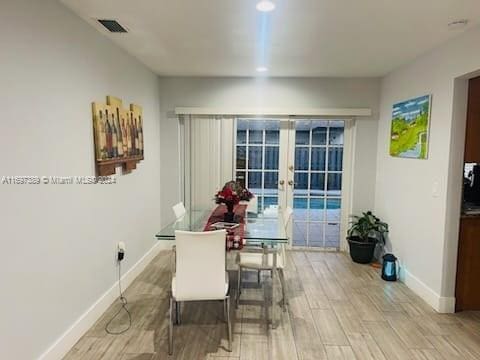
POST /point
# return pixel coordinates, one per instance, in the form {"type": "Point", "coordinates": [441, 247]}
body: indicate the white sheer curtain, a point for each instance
{"type": "Point", "coordinates": [208, 145]}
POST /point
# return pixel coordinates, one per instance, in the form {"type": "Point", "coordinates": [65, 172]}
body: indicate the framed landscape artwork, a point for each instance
{"type": "Point", "coordinates": [410, 126]}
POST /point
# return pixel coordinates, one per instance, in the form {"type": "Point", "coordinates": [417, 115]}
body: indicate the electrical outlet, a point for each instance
{"type": "Point", "coordinates": [120, 251]}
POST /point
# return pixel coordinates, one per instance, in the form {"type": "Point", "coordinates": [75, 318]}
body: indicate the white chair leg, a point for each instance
{"type": "Point", "coordinates": [225, 311]}
{"type": "Point", "coordinates": [274, 323]}
{"type": "Point", "coordinates": [229, 325]}
{"type": "Point", "coordinates": [239, 286]}
{"type": "Point", "coordinates": [170, 328]}
{"type": "Point", "coordinates": [281, 275]}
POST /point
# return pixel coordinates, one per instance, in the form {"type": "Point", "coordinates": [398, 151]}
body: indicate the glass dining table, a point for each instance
{"type": "Point", "coordinates": [266, 230]}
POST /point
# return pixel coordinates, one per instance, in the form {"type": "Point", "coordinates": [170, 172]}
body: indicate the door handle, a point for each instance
{"type": "Point", "coordinates": [290, 182]}
{"type": "Point", "coordinates": [281, 182]}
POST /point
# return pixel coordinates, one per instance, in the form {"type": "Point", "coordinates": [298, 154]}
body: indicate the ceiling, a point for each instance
{"type": "Point", "coordinates": [306, 38]}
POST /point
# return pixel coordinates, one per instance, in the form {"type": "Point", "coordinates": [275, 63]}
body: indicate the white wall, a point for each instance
{"type": "Point", "coordinates": [58, 242]}
{"type": "Point", "coordinates": [271, 93]}
{"type": "Point", "coordinates": [424, 227]}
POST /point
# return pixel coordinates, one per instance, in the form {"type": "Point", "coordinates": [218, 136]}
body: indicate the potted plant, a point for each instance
{"type": "Point", "coordinates": [364, 234]}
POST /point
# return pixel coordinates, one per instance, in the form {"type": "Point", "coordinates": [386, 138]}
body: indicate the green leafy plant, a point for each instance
{"type": "Point", "coordinates": [367, 228]}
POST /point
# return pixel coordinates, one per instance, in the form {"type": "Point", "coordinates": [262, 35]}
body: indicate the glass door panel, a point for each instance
{"type": "Point", "coordinates": [257, 159]}
{"type": "Point", "coordinates": [297, 163]}
{"type": "Point", "coordinates": [317, 175]}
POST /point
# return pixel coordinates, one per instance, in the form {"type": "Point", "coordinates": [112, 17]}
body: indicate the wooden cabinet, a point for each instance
{"type": "Point", "coordinates": [472, 135]}
{"type": "Point", "coordinates": [467, 292]}
{"type": "Point", "coordinates": [467, 288]}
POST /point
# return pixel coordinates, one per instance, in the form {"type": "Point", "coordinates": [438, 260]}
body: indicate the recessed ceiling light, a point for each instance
{"type": "Point", "coordinates": [457, 24]}
{"type": "Point", "coordinates": [265, 5]}
{"type": "Point", "coordinates": [262, 69]}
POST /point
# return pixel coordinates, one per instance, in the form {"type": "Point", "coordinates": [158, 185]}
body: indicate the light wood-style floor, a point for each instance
{"type": "Point", "coordinates": [337, 310]}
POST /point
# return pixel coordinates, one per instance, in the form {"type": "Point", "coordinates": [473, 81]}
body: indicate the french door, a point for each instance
{"type": "Point", "coordinates": [296, 163]}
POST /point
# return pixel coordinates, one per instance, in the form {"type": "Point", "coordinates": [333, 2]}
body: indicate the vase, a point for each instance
{"type": "Point", "coordinates": [229, 215]}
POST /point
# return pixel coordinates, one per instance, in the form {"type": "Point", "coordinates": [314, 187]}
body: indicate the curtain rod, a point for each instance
{"type": "Point", "coordinates": [274, 111]}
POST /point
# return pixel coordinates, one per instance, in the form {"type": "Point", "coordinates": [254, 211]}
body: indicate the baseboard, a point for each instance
{"type": "Point", "coordinates": [65, 342]}
{"type": "Point", "coordinates": [441, 304]}
{"type": "Point", "coordinates": [446, 305]}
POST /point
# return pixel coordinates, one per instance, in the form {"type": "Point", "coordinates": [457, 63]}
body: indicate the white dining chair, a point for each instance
{"type": "Point", "coordinates": [199, 275]}
{"type": "Point", "coordinates": [179, 210]}
{"type": "Point", "coordinates": [265, 259]}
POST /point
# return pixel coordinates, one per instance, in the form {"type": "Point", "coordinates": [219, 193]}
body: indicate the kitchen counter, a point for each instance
{"type": "Point", "coordinates": [470, 214]}
{"type": "Point", "coordinates": [470, 210]}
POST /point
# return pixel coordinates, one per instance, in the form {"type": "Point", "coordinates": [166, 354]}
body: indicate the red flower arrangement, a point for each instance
{"type": "Point", "coordinates": [236, 189]}
{"type": "Point", "coordinates": [245, 195]}
{"type": "Point", "coordinates": [227, 195]}
{"type": "Point", "coordinates": [230, 195]}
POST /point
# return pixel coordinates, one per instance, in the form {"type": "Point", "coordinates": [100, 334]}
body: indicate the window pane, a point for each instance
{"type": "Point", "coordinates": [300, 208]}
{"type": "Point", "coordinates": [299, 233]}
{"type": "Point", "coordinates": [333, 209]}
{"type": "Point", "coordinates": [336, 133]}
{"type": "Point", "coordinates": [241, 178]}
{"type": "Point", "coordinates": [332, 235]}
{"type": "Point", "coordinates": [318, 159]}
{"type": "Point", "coordinates": [242, 124]}
{"type": "Point", "coordinates": [301, 158]}
{"type": "Point", "coordinates": [272, 137]}
{"type": "Point", "coordinates": [335, 157]}
{"type": "Point", "coordinates": [255, 137]}
{"type": "Point", "coordinates": [255, 181]}
{"type": "Point", "coordinates": [254, 157]}
{"type": "Point", "coordinates": [258, 124]}
{"type": "Point", "coordinates": [241, 157]}
{"type": "Point", "coordinates": [317, 209]}
{"type": "Point", "coordinates": [269, 202]}
{"type": "Point", "coordinates": [317, 184]}
{"type": "Point", "coordinates": [241, 136]}
{"type": "Point", "coordinates": [319, 132]}
{"type": "Point", "coordinates": [316, 234]}
{"type": "Point", "coordinates": [302, 137]}
{"type": "Point", "coordinates": [334, 185]}
{"type": "Point", "coordinates": [259, 204]}
{"type": "Point", "coordinates": [302, 132]}
{"type": "Point", "coordinates": [273, 191]}
{"type": "Point", "coordinates": [271, 180]}
{"type": "Point", "coordinates": [301, 183]}
{"type": "Point", "coordinates": [271, 157]}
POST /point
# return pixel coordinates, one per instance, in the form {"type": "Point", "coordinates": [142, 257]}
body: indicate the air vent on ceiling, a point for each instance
{"type": "Point", "coordinates": [112, 26]}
